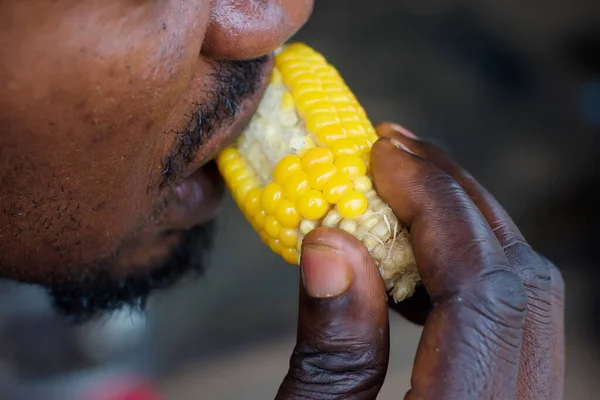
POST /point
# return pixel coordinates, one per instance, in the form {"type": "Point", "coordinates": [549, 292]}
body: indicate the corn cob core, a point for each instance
{"type": "Point", "coordinates": [303, 162]}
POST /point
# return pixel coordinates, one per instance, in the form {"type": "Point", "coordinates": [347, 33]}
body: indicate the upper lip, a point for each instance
{"type": "Point", "coordinates": [248, 106]}
{"type": "Point", "coordinates": [225, 135]}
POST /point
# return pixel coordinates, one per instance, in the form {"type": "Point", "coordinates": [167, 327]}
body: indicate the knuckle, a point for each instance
{"type": "Point", "coordinates": [529, 266]}
{"type": "Point", "coordinates": [356, 369]}
{"type": "Point", "coordinates": [437, 183]}
{"type": "Point", "coordinates": [504, 232]}
{"type": "Point", "coordinates": [500, 296]}
{"type": "Point", "coordinates": [492, 310]}
{"type": "Point", "coordinates": [541, 279]}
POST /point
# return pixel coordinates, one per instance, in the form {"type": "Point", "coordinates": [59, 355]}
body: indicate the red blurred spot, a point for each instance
{"type": "Point", "coordinates": [124, 389]}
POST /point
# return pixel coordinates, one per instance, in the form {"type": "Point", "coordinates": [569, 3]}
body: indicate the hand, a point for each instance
{"type": "Point", "coordinates": [492, 307]}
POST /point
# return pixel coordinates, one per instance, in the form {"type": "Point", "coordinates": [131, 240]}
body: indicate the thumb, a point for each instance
{"type": "Point", "coordinates": [342, 344]}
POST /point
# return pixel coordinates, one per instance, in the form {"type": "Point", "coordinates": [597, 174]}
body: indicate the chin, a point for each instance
{"type": "Point", "coordinates": [96, 292]}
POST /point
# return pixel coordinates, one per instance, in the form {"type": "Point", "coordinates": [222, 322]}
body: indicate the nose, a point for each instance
{"type": "Point", "coordinates": [244, 29]}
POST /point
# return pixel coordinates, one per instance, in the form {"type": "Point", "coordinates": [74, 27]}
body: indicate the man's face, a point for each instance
{"type": "Point", "coordinates": [110, 112]}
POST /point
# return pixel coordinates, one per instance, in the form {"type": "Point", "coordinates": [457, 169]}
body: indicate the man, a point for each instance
{"type": "Point", "coordinates": [110, 113]}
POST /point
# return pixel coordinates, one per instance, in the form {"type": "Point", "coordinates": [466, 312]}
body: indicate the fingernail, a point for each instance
{"type": "Point", "coordinates": [401, 146]}
{"type": "Point", "coordinates": [403, 131]}
{"type": "Point", "coordinates": [325, 271]}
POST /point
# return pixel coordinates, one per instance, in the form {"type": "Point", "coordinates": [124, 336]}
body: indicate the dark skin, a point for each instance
{"type": "Point", "coordinates": [95, 106]}
{"type": "Point", "coordinates": [492, 308]}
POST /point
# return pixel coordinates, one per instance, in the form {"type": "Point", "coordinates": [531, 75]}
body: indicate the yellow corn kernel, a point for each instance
{"type": "Point", "coordinates": [312, 204]}
{"type": "Point", "coordinates": [305, 87]}
{"type": "Point", "coordinates": [316, 155]}
{"type": "Point", "coordinates": [239, 175]}
{"type": "Point", "coordinates": [296, 186]}
{"type": "Point", "coordinates": [252, 201]}
{"type": "Point", "coordinates": [320, 107]}
{"type": "Point", "coordinates": [289, 70]}
{"type": "Point", "coordinates": [271, 196]}
{"type": "Point", "coordinates": [352, 205]}
{"type": "Point", "coordinates": [336, 188]}
{"type": "Point", "coordinates": [276, 77]}
{"type": "Point", "coordinates": [345, 147]}
{"type": "Point", "coordinates": [287, 101]}
{"type": "Point", "coordinates": [275, 245]}
{"type": "Point", "coordinates": [272, 226]}
{"type": "Point", "coordinates": [304, 162]}
{"type": "Point", "coordinates": [351, 166]}
{"type": "Point", "coordinates": [363, 144]}
{"type": "Point", "coordinates": [290, 255]}
{"type": "Point", "coordinates": [328, 135]}
{"type": "Point", "coordinates": [259, 218]}
{"type": "Point", "coordinates": [264, 236]}
{"type": "Point", "coordinates": [244, 187]}
{"type": "Point", "coordinates": [320, 174]}
{"type": "Point", "coordinates": [288, 237]}
{"type": "Point", "coordinates": [354, 129]}
{"type": "Point", "coordinates": [287, 214]}
{"type": "Point", "coordinates": [231, 167]}
{"type": "Point", "coordinates": [285, 168]}
{"type": "Point", "coordinates": [227, 155]}
{"type": "Point", "coordinates": [303, 77]}
{"type": "Point", "coordinates": [309, 98]}
{"type": "Point", "coordinates": [366, 159]}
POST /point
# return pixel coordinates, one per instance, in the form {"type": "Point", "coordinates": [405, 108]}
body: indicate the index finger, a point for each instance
{"type": "Point", "coordinates": [543, 333]}
{"type": "Point", "coordinates": [471, 342]}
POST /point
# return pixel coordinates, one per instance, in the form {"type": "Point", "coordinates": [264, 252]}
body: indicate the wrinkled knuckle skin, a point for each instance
{"type": "Point", "coordinates": [356, 372]}
{"type": "Point", "coordinates": [500, 297]}
{"type": "Point", "coordinates": [531, 268]}
{"type": "Point", "coordinates": [538, 277]}
{"type": "Point", "coordinates": [492, 313]}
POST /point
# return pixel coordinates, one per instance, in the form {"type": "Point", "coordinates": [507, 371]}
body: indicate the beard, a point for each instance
{"type": "Point", "coordinates": [96, 291]}
{"type": "Point", "coordinates": [100, 293]}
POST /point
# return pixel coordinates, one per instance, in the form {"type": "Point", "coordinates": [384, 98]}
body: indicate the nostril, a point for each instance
{"type": "Point", "coordinates": [247, 29]}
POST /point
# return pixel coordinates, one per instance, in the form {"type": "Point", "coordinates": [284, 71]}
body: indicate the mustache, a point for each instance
{"type": "Point", "coordinates": [95, 294]}
{"type": "Point", "coordinates": [225, 91]}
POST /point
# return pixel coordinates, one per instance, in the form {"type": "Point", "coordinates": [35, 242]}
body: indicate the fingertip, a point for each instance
{"type": "Point", "coordinates": [382, 146]}
{"type": "Point", "coordinates": [392, 162]}
{"type": "Point", "coordinates": [366, 285]}
{"type": "Point", "coordinates": [326, 271]}
{"type": "Point", "coordinates": [392, 129]}
{"type": "Point", "coordinates": [385, 129]}
{"type": "Point", "coordinates": [393, 144]}
{"type": "Point", "coordinates": [333, 238]}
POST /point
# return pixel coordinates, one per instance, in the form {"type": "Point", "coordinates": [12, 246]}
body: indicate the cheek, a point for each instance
{"type": "Point", "coordinates": [85, 120]}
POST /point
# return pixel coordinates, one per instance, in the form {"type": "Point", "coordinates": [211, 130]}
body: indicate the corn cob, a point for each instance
{"type": "Point", "coordinates": [303, 162]}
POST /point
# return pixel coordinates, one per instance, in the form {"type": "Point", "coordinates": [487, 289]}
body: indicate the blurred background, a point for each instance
{"type": "Point", "coordinates": [510, 88]}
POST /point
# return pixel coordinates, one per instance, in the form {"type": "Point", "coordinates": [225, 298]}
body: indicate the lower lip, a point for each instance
{"type": "Point", "coordinates": [197, 199]}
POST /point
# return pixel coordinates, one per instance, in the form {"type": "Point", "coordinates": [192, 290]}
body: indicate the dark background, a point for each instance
{"type": "Point", "coordinates": [510, 88]}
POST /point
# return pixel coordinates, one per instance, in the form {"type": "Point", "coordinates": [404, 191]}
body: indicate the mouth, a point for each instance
{"type": "Point", "coordinates": [196, 198]}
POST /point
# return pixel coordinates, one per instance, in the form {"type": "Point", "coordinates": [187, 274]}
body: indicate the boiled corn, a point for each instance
{"type": "Point", "coordinates": [303, 162]}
